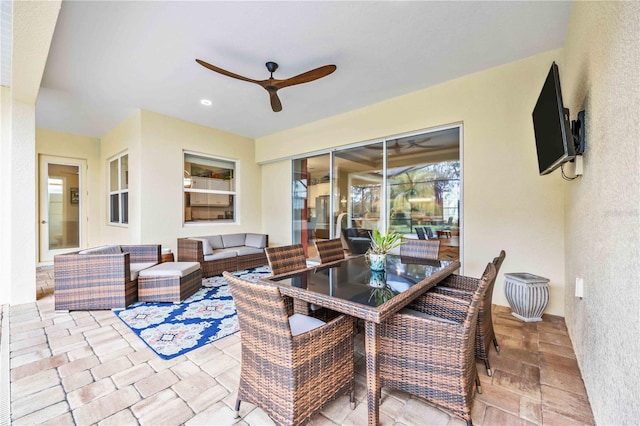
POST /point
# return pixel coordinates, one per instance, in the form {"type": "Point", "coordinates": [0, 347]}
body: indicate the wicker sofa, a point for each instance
{"type": "Point", "coordinates": [102, 277]}
{"type": "Point", "coordinates": [228, 252]}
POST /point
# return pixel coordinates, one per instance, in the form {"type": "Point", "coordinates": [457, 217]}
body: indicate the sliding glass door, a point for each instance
{"type": "Point", "coordinates": [311, 200]}
{"type": "Point", "coordinates": [423, 183]}
{"type": "Point", "coordinates": [399, 184]}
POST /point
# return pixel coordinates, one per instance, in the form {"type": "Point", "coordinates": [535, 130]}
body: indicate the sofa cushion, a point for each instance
{"type": "Point", "coordinates": [135, 268]}
{"type": "Point", "coordinates": [216, 242]}
{"type": "Point", "coordinates": [206, 246]}
{"type": "Point", "coordinates": [256, 240]}
{"type": "Point", "coordinates": [233, 240]}
{"type": "Point", "coordinates": [111, 249]}
{"type": "Point", "coordinates": [170, 269]}
{"type": "Point", "coordinates": [243, 251]}
{"type": "Point", "coordinates": [222, 254]}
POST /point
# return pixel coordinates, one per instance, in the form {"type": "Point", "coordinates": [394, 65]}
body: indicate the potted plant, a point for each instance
{"type": "Point", "coordinates": [380, 246]}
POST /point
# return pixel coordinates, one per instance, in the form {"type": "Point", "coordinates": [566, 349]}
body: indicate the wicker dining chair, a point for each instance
{"type": "Point", "coordinates": [461, 286]}
{"type": "Point", "coordinates": [292, 365]}
{"type": "Point", "coordinates": [287, 259]}
{"type": "Point", "coordinates": [420, 233]}
{"type": "Point", "coordinates": [426, 249]}
{"type": "Point", "coordinates": [330, 250]}
{"type": "Point", "coordinates": [284, 259]}
{"type": "Point", "coordinates": [427, 350]}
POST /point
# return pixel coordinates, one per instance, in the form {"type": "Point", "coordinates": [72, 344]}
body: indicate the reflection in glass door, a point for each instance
{"type": "Point", "coordinates": [410, 184]}
{"type": "Point", "coordinates": [311, 202]}
{"type": "Point", "coordinates": [61, 204]}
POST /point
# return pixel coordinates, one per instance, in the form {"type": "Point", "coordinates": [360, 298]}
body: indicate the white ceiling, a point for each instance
{"type": "Point", "coordinates": [109, 58]}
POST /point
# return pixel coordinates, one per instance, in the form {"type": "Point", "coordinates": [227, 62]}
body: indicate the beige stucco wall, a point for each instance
{"type": "Point", "coordinates": [155, 144]}
{"type": "Point", "coordinates": [32, 29]}
{"type": "Point", "coordinates": [276, 202]}
{"type": "Point", "coordinates": [506, 204]}
{"type": "Point", "coordinates": [602, 76]}
{"type": "Point", "coordinates": [164, 139]}
{"type": "Point", "coordinates": [60, 144]}
{"type": "Point", "coordinates": [125, 137]}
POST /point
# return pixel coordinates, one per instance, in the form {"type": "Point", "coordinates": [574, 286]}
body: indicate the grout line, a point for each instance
{"type": "Point", "coordinates": [5, 387]}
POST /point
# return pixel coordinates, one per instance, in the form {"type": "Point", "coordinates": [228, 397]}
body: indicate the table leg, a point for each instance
{"type": "Point", "coordinates": [372, 349]}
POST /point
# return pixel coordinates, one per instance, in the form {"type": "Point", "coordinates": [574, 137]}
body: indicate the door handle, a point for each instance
{"type": "Point", "coordinates": [43, 222]}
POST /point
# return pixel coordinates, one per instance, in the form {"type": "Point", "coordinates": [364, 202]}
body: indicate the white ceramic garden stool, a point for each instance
{"type": "Point", "coordinates": [527, 294]}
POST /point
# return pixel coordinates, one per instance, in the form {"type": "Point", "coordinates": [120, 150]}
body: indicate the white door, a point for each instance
{"type": "Point", "coordinates": [62, 206]}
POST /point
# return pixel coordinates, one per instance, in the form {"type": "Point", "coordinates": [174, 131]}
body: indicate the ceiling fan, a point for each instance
{"type": "Point", "coordinates": [271, 84]}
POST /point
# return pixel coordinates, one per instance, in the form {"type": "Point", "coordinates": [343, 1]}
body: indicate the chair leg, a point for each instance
{"type": "Point", "coordinates": [486, 364]}
{"type": "Point", "coordinates": [478, 386]}
{"type": "Point", "coordinates": [469, 423]}
{"type": "Point", "coordinates": [352, 399]}
{"type": "Point", "coordinates": [495, 343]}
{"type": "Point", "coordinates": [237, 409]}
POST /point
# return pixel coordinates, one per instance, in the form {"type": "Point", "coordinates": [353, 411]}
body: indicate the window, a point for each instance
{"type": "Point", "coordinates": [209, 189]}
{"type": "Point", "coordinates": [119, 190]}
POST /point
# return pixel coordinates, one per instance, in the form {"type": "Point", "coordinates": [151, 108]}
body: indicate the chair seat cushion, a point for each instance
{"type": "Point", "coordinates": [170, 269]}
{"type": "Point", "coordinates": [407, 311]}
{"type": "Point", "coordinates": [301, 324]}
{"type": "Point", "coordinates": [135, 269]}
{"type": "Point", "coordinates": [313, 261]}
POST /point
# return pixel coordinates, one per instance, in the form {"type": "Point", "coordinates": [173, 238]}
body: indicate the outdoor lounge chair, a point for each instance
{"type": "Point", "coordinates": [103, 277]}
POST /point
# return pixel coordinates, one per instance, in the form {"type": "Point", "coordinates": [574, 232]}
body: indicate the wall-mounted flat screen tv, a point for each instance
{"type": "Point", "coordinates": [551, 126]}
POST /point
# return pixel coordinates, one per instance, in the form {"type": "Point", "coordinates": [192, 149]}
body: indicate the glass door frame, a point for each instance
{"type": "Point", "coordinates": [383, 190]}
{"type": "Point", "coordinates": [45, 254]}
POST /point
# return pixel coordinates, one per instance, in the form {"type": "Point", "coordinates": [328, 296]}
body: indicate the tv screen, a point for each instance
{"type": "Point", "coordinates": [554, 142]}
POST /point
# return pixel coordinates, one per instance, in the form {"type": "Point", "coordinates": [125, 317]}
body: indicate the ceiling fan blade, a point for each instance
{"type": "Point", "coordinates": [306, 77]}
{"type": "Point", "coordinates": [276, 105]}
{"type": "Point", "coordinates": [225, 72]}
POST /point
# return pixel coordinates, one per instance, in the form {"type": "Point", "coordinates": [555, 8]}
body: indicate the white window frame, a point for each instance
{"type": "Point", "coordinates": [120, 191]}
{"type": "Point", "coordinates": [189, 190]}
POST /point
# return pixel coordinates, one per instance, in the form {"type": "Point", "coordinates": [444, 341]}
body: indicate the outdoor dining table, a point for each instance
{"type": "Point", "coordinates": [351, 287]}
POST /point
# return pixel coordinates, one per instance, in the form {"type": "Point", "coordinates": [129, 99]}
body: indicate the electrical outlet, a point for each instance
{"type": "Point", "coordinates": [580, 287]}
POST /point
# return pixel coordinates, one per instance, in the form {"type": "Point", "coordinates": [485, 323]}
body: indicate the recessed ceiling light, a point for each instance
{"type": "Point", "coordinates": [205, 102]}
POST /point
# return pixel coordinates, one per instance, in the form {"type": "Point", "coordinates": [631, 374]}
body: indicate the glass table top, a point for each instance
{"type": "Point", "coordinates": [353, 279]}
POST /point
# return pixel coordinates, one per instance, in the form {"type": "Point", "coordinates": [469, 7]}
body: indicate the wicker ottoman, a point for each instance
{"type": "Point", "coordinates": [169, 282]}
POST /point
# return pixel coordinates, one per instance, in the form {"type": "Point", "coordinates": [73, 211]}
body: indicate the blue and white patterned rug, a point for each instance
{"type": "Point", "coordinates": [209, 314]}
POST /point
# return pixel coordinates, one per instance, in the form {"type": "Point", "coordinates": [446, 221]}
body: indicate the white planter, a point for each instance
{"type": "Point", "coordinates": [377, 262]}
{"type": "Point", "coordinates": [527, 294]}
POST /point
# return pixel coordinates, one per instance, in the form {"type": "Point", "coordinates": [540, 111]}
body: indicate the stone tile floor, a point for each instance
{"type": "Point", "coordinates": [87, 367]}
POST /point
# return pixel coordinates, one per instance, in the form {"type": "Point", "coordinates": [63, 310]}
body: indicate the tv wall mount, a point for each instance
{"type": "Point", "coordinates": [577, 133]}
